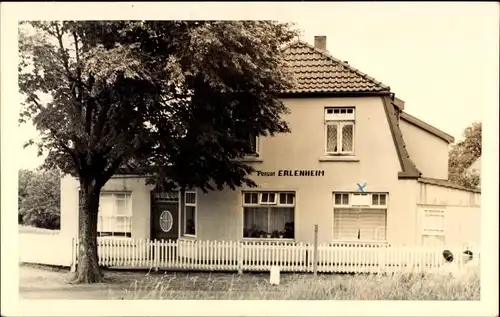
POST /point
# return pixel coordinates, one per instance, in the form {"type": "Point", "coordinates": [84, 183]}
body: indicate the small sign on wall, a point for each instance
{"type": "Point", "coordinates": [295, 173]}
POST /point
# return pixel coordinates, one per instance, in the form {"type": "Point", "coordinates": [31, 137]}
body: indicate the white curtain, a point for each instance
{"type": "Point", "coordinates": [255, 216]}
{"type": "Point", "coordinates": [114, 213]}
{"type": "Point", "coordinates": [280, 216]}
{"type": "Point", "coordinates": [345, 224]}
{"type": "Point", "coordinates": [372, 224]}
{"type": "Point", "coordinates": [359, 224]}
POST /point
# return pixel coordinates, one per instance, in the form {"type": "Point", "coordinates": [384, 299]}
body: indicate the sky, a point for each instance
{"type": "Point", "coordinates": [437, 57]}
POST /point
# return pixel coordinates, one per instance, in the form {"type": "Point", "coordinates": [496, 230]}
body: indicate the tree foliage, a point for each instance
{"type": "Point", "coordinates": [178, 97]}
{"type": "Point", "coordinates": [39, 198]}
{"type": "Point", "coordinates": [463, 154]}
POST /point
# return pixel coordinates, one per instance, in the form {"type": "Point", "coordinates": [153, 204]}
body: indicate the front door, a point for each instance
{"type": "Point", "coordinates": [164, 216]}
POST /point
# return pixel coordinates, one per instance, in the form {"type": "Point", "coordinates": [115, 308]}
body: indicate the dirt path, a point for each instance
{"type": "Point", "coordinates": [40, 282]}
{"type": "Point", "coordinates": [51, 283]}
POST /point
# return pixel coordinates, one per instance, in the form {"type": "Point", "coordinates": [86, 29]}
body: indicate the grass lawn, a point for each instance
{"type": "Point", "coordinates": [37, 282]}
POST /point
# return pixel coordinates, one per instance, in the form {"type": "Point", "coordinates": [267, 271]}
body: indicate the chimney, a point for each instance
{"type": "Point", "coordinates": [320, 42]}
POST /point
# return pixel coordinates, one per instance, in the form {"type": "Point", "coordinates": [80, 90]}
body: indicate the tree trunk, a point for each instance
{"type": "Point", "coordinates": [88, 263]}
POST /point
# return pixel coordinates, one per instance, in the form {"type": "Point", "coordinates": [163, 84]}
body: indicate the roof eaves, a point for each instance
{"type": "Point", "coordinates": [446, 183]}
{"type": "Point", "coordinates": [427, 127]}
{"type": "Point", "coordinates": [327, 94]}
{"type": "Point", "coordinates": [409, 170]}
{"type": "Point", "coordinates": [399, 103]}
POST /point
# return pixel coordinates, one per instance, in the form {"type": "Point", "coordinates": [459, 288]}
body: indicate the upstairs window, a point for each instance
{"type": "Point", "coordinates": [254, 145]}
{"type": "Point", "coordinates": [339, 130]}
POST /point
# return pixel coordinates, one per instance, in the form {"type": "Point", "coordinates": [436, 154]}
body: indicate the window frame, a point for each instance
{"type": "Point", "coordinates": [127, 216]}
{"type": "Point", "coordinates": [269, 208]}
{"type": "Point", "coordinates": [268, 203]}
{"type": "Point", "coordinates": [256, 153]}
{"type": "Point", "coordinates": [359, 209]}
{"type": "Point", "coordinates": [340, 120]}
{"type": "Point", "coordinates": [370, 194]}
{"type": "Point", "coordinates": [184, 213]}
{"type": "Point", "coordinates": [286, 204]}
{"type": "Point", "coordinates": [250, 204]}
{"type": "Point", "coordinates": [379, 195]}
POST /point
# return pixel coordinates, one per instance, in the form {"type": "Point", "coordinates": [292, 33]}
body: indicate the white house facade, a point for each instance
{"type": "Point", "coordinates": [355, 164]}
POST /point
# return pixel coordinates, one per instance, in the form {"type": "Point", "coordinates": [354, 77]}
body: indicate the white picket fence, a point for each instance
{"type": "Point", "coordinates": [260, 256]}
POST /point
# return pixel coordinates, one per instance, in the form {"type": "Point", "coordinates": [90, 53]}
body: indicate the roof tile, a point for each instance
{"type": "Point", "coordinates": [317, 71]}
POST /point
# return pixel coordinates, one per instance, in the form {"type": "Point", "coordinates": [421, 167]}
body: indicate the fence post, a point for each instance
{"type": "Point", "coordinates": [156, 257]}
{"type": "Point", "coordinates": [240, 257]}
{"type": "Point", "coordinates": [315, 251]}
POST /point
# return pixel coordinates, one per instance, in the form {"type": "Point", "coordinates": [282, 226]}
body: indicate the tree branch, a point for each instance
{"type": "Point", "coordinates": [78, 68]}
{"type": "Point", "coordinates": [73, 155]}
{"type": "Point", "coordinates": [63, 52]}
{"type": "Point", "coordinates": [101, 120]}
{"type": "Point", "coordinates": [108, 173]}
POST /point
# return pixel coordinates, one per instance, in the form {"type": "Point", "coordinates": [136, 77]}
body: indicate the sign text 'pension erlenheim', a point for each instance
{"type": "Point", "coordinates": [292, 173]}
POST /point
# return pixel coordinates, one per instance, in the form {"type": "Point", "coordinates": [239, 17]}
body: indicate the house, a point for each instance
{"type": "Point", "coordinates": [356, 164]}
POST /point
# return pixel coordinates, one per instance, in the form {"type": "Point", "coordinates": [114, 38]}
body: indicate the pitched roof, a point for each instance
{"type": "Point", "coordinates": [316, 71]}
{"type": "Point", "coordinates": [427, 127]}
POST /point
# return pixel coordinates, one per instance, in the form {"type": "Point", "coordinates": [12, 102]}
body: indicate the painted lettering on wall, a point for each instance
{"type": "Point", "coordinates": [292, 173]}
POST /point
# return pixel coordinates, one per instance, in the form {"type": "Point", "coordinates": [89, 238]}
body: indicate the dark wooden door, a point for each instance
{"type": "Point", "coordinates": [164, 220]}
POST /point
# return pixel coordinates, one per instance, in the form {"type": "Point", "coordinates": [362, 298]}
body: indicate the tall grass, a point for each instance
{"type": "Point", "coordinates": [303, 287]}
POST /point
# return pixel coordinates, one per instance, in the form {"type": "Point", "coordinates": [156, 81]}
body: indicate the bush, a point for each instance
{"type": "Point", "coordinates": [39, 199]}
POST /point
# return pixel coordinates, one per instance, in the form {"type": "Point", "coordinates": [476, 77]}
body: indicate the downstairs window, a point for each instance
{"type": "Point", "coordinates": [360, 216]}
{"type": "Point", "coordinates": [268, 215]}
{"type": "Point", "coordinates": [115, 215]}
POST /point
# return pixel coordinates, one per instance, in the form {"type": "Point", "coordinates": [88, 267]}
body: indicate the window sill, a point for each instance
{"type": "Point", "coordinates": [433, 233]}
{"type": "Point", "coordinates": [338, 158]}
{"type": "Point", "coordinates": [114, 238]}
{"type": "Point", "coordinates": [283, 240]}
{"type": "Point", "coordinates": [372, 242]}
{"type": "Point", "coordinates": [251, 159]}
{"type": "Point", "coordinates": [188, 237]}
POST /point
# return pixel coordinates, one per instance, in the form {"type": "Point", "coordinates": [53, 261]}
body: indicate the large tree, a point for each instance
{"type": "Point", "coordinates": [178, 98]}
{"type": "Point", "coordinates": [463, 154]}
